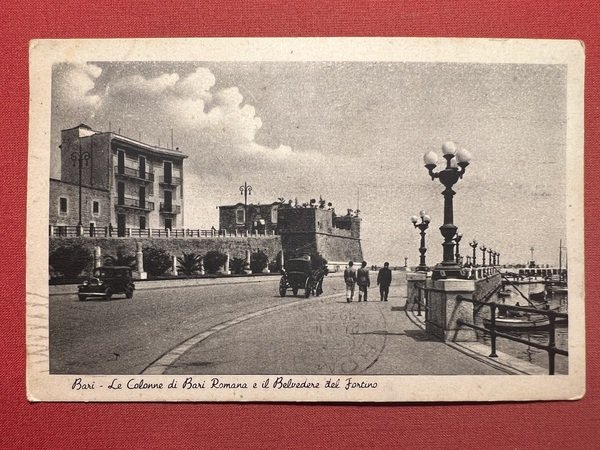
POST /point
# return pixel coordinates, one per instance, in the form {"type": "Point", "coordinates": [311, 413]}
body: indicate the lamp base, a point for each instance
{"type": "Point", "coordinates": [444, 271]}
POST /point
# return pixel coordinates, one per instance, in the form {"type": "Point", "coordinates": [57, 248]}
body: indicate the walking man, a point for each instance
{"type": "Point", "coordinates": [362, 279]}
{"type": "Point", "coordinates": [384, 279]}
{"type": "Point", "coordinates": [350, 279]}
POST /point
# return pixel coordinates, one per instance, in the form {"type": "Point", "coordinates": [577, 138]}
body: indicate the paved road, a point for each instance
{"type": "Point", "coordinates": [245, 329]}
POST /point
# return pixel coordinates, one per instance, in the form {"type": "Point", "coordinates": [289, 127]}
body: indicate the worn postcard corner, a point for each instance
{"type": "Point", "coordinates": [313, 220]}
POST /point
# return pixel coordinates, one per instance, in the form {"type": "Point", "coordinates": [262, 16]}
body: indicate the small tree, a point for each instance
{"type": "Point", "coordinates": [71, 260]}
{"type": "Point", "coordinates": [156, 261]}
{"type": "Point", "coordinates": [213, 261]}
{"type": "Point", "coordinates": [258, 261]}
{"type": "Point", "coordinates": [237, 265]}
{"type": "Point", "coordinates": [189, 264]}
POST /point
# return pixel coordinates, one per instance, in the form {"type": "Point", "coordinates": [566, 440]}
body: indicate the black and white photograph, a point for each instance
{"type": "Point", "coordinates": [340, 219]}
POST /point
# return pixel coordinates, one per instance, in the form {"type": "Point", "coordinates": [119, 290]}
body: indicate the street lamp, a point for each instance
{"type": "Point", "coordinates": [490, 262]}
{"type": "Point", "coordinates": [425, 219]}
{"type": "Point", "coordinates": [457, 240]}
{"type": "Point", "coordinates": [473, 244]}
{"type": "Point", "coordinates": [79, 157]}
{"type": "Point", "coordinates": [483, 250]}
{"type": "Point", "coordinates": [456, 163]}
{"type": "Point", "coordinates": [498, 261]}
{"type": "Point", "coordinates": [246, 190]}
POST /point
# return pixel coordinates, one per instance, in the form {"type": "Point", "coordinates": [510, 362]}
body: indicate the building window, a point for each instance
{"type": "Point", "coordinates": [63, 206]}
{"type": "Point", "coordinates": [240, 216]}
{"type": "Point", "coordinates": [95, 208]}
{"type": "Point", "coordinates": [274, 214]}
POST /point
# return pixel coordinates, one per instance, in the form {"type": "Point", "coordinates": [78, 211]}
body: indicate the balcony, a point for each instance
{"type": "Point", "coordinates": [131, 172]}
{"type": "Point", "coordinates": [134, 203]}
{"type": "Point", "coordinates": [170, 209]}
{"type": "Point", "coordinates": [170, 181]}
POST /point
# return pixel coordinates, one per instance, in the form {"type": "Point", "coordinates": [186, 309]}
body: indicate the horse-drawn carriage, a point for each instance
{"type": "Point", "coordinates": [300, 274]}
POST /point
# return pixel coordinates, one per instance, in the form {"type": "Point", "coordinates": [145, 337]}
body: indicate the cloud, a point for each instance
{"type": "Point", "coordinates": [73, 86]}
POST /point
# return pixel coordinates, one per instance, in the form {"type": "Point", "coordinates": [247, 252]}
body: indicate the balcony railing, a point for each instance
{"type": "Point", "coordinates": [172, 181]}
{"type": "Point", "coordinates": [170, 209]}
{"type": "Point", "coordinates": [135, 203]}
{"type": "Point", "coordinates": [63, 231]}
{"type": "Point", "coordinates": [134, 173]}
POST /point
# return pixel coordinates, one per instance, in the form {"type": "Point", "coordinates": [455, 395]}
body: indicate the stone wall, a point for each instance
{"type": "Point", "coordinates": [236, 246]}
{"type": "Point", "coordinates": [337, 248]}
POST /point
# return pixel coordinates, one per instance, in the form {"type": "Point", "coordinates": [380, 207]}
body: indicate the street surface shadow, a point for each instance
{"type": "Point", "coordinates": [380, 333]}
{"type": "Point", "coordinates": [103, 300]}
{"type": "Point", "coordinates": [398, 308]}
{"type": "Point", "coordinates": [419, 335]}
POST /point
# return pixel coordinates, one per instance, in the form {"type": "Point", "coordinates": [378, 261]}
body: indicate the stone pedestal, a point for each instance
{"type": "Point", "coordinates": [414, 281]}
{"type": "Point", "coordinates": [174, 271]}
{"type": "Point", "coordinates": [247, 269]}
{"type": "Point", "coordinates": [139, 257]}
{"type": "Point", "coordinates": [445, 309]}
{"type": "Point", "coordinates": [226, 270]}
{"type": "Point", "coordinates": [97, 257]}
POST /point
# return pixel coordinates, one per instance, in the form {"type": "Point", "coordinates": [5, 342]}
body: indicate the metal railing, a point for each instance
{"type": "Point", "coordinates": [551, 348]}
{"type": "Point", "coordinates": [68, 231]}
{"type": "Point", "coordinates": [132, 172]}
{"type": "Point", "coordinates": [172, 181]}
{"type": "Point", "coordinates": [135, 203]}
{"type": "Point", "coordinates": [170, 208]}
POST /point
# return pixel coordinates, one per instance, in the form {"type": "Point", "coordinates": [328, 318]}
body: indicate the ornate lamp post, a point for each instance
{"type": "Point", "coordinates": [79, 157]}
{"type": "Point", "coordinates": [490, 262]}
{"type": "Point", "coordinates": [457, 240]}
{"type": "Point", "coordinates": [456, 163]}
{"type": "Point", "coordinates": [425, 219]}
{"type": "Point", "coordinates": [246, 190]}
{"type": "Point", "coordinates": [498, 261]}
{"type": "Point", "coordinates": [483, 250]}
{"type": "Point", "coordinates": [473, 244]}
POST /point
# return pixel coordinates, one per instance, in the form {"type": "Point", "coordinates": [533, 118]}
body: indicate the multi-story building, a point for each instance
{"type": "Point", "coordinates": [125, 183]}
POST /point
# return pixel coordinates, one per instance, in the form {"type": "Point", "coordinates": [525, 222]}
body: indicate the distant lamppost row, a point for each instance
{"type": "Point", "coordinates": [246, 190]}
{"type": "Point", "coordinates": [80, 157]}
{"type": "Point", "coordinates": [483, 250]}
{"type": "Point", "coordinates": [473, 245]}
{"type": "Point", "coordinates": [456, 163]}
{"type": "Point", "coordinates": [457, 240]}
{"type": "Point", "coordinates": [425, 219]}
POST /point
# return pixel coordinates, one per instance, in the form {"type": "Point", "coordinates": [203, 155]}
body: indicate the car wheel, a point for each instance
{"type": "Point", "coordinates": [108, 293]}
{"type": "Point", "coordinates": [282, 287]}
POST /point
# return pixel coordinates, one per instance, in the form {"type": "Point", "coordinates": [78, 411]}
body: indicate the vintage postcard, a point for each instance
{"type": "Point", "coordinates": [312, 219]}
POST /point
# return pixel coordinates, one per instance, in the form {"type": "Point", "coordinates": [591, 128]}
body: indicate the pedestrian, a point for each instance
{"type": "Point", "coordinates": [363, 281]}
{"type": "Point", "coordinates": [350, 279]}
{"type": "Point", "coordinates": [384, 279]}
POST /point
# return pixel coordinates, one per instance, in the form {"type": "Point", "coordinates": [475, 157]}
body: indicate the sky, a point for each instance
{"type": "Point", "coordinates": [351, 132]}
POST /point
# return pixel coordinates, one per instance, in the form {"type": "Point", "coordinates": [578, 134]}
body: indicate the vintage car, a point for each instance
{"type": "Point", "coordinates": [299, 274]}
{"type": "Point", "coordinates": [107, 281]}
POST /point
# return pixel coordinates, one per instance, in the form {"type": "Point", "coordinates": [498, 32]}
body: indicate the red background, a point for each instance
{"type": "Point", "coordinates": [513, 425]}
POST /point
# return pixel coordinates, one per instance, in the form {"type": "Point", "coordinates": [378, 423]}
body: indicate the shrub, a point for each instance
{"type": "Point", "coordinates": [189, 264]}
{"type": "Point", "coordinates": [156, 261]}
{"type": "Point", "coordinates": [120, 259]}
{"type": "Point", "coordinates": [275, 266]}
{"type": "Point", "coordinates": [258, 261]}
{"type": "Point", "coordinates": [71, 260]}
{"type": "Point", "coordinates": [237, 265]}
{"type": "Point", "coordinates": [213, 261]}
